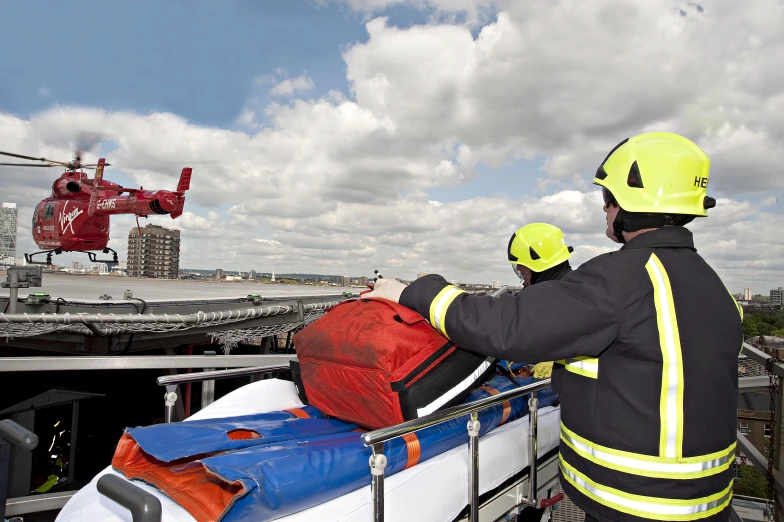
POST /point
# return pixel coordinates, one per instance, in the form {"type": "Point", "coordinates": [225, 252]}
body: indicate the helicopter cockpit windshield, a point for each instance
{"type": "Point", "coordinates": [35, 214]}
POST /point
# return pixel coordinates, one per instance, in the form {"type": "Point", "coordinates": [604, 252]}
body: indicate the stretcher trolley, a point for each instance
{"type": "Point", "coordinates": [510, 470]}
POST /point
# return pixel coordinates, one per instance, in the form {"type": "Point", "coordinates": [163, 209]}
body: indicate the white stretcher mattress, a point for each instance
{"type": "Point", "coordinates": [432, 491]}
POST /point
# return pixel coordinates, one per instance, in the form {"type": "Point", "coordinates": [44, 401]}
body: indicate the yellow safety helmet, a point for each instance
{"type": "Point", "coordinates": [657, 173]}
{"type": "Point", "coordinates": [538, 246]}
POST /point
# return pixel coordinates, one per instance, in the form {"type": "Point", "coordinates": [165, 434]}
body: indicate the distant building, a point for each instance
{"type": "Point", "coordinates": [421, 274]}
{"type": "Point", "coordinates": [218, 274]}
{"type": "Point", "coordinates": [496, 284]}
{"type": "Point", "coordinates": [8, 225]}
{"type": "Point", "coordinates": [154, 253]}
{"type": "Point", "coordinates": [777, 296]}
{"type": "Point", "coordinates": [76, 265]}
{"type": "Point", "coordinates": [345, 281]}
{"type": "Point", "coordinates": [99, 268]}
{"type": "Point", "coordinates": [252, 275]}
{"type": "Point", "coordinates": [362, 281]}
{"type": "Point", "coordinates": [747, 294]}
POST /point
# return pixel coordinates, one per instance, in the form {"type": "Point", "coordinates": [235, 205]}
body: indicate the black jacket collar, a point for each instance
{"type": "Point", "coordinates": [555, 273]}
{"type": "Point", "coordinates": [665, 237]}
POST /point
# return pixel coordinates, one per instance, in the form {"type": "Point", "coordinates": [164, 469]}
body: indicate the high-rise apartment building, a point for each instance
{"type": "Point", "coordinates": [747, 294]}
{"type": "Point", "coordinates": [8, 222]}
{"type": "Point", "coordinates": [777, 296]}
{"type": "Point", "coordinates": [154, 253]}
{"type": "Point", "coordinates": [496, 284]}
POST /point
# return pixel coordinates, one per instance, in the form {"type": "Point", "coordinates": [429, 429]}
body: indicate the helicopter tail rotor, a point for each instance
{"type": "Point", "coordinates": [183, 185]}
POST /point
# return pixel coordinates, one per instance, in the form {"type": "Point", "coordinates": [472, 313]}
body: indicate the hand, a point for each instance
{"type": "Point", "coordinates": [389, 289]}
{"type": "Point", "coordinates": [542, 370]}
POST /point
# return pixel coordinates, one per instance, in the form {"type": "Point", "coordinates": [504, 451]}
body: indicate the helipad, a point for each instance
{"type": "Point", "coordinates": [87, 287]}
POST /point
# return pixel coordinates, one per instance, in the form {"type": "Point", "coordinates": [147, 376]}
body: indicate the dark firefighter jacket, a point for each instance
{"type": "Point", "coordinates": [648, 416]}
{"type": "Point", "coordinates": [555, 273]}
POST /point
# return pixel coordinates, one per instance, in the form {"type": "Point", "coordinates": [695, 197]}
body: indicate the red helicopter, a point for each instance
{"type": "Point", "coordinates": [75, 218]}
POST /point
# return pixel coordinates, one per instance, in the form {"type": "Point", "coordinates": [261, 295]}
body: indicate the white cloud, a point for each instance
{"type": "Point", "coordinates": [290, 86]}
{"type": "Point", "coordinates": [340, 183]}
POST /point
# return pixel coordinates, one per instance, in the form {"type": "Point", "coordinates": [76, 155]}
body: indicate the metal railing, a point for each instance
{"type": "Point", "coordinates": [376, 439]}
{"type": "Point", "coordinates": [11, 434]}
{"type": "Point", "coordinates": [171, 382]}
{"type": "Point", "coordinates": [139, 362]}
{"type": "Point", "coordinates": [752, 453]}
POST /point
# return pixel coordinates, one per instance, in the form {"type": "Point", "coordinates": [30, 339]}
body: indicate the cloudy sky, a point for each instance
{"type": "Point", "coordinates": [404, 136]}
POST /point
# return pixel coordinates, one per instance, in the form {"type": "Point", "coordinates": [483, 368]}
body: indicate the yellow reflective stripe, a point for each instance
{"type": "Point", "coordinates": [671, 401]}
{"type": "Point", "coordinates": [647, 507]}
{"type": "Point", "coordinates": [649, 465]}
{"type": "Point", "coordinates": [439, 306]}
{"type": "Point", "coordinates": [585, 366]}
{"type": "Point", "coordinates": [737, 305]}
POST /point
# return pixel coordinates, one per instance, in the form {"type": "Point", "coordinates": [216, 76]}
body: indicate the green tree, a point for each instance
{"type": "Point", "coordinates": [751, 482]}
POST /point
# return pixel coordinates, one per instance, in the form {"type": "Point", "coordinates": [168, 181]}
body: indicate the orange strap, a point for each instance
{"type": "Point", "coordinates": [414, 449]}
{"type": "Point", "coordinates": [506, 404]}
{"type": "Point", "coordinates": [299, 413]}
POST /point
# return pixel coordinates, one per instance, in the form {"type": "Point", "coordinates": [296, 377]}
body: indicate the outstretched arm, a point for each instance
{"type": "Point", "coordinates": [577, 316]}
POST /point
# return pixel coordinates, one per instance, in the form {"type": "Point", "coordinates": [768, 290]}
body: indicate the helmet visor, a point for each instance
{"type": "Point", "coordinates": [519, 271]}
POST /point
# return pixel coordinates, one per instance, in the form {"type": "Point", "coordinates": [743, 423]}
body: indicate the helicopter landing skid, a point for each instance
{"type": "Point", "coordinates": [92, 255]}
{"type": "Point", "coordinates": [94, 259]}
{"type": "Point", "coordinates": [48, 262]}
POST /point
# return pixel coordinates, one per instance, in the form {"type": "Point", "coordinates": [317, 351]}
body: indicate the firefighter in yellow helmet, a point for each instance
{"type": "Point", "coordinates": [650, 335]}
{"type": "Point", "coordinates": [538, 253]}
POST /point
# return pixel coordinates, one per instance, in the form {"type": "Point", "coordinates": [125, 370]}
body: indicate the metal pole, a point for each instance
{"type": "Point", "coordinates": [170, 402]}
{"type": "Point", "coordinates": [473, 467]}
{"type": "Point", "coordinates": [74, 433]}
{"type": "Point", "coordinates": [13, 277]}
{"type": "Point", "coordinates": [208, 387]}
{"type": "Point", "coordinates": [533, 457]}
{"type": "Point", "coordinates": [779, 434]}
{"type": "Point", "coordinates": [5, 471]}
{"type": "Point", "coordinates": [378, 461]}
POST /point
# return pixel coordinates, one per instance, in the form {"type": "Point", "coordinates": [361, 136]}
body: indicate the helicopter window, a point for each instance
{"type": "Point", "coordinates": [49, 211]}
{"type": "Point", "coordinates": [35, 214]}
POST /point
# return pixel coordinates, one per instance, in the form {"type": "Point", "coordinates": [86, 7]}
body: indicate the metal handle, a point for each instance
{"type": "Point", "coordinates": [384, 434]}
{"type": "Point", "coordinates": [17, 435]}
{"type": "Point", "coordinates": [11, 434]}
{"type": "Point", "coordinates": [219, 374]}
{"type": "Point", "coordinates": [144, 507]}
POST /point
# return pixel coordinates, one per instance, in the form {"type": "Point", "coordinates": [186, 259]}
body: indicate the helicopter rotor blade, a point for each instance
{"type": "Point", "coordinates": [22, 156]}
{"type": "Point", "coordinates": [25, 165]}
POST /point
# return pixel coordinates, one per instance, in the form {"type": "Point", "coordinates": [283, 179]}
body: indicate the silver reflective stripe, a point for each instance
{"type": "Point", "coordinates": [590, 365]}
{"type": "Point", "coordinates": [614, 460]}
{"type": "Point", "coordinates": [648, 507]}
{"type": "Point", "coordinates": [461, 386]}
